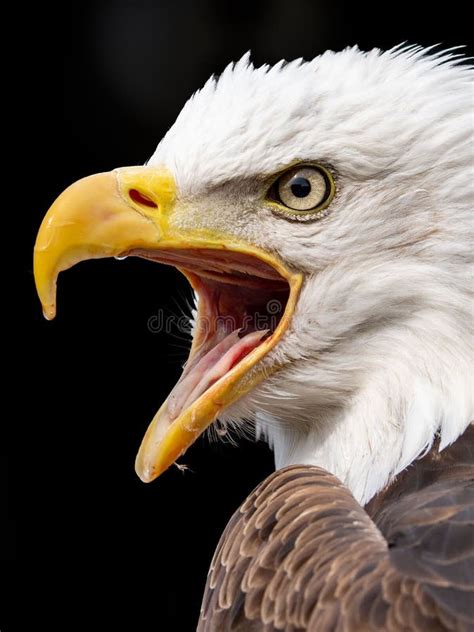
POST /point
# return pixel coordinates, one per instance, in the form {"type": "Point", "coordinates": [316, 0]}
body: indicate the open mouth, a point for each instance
{"type": "Point", "coordinates": [241, 301]}
{"type": "Point", "coordinates": [244, 306]}
{"type": "Point", "coordinates": [246, 295]}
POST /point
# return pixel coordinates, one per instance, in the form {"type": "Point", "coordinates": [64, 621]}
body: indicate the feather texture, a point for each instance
{"type": "Point", "coordinates": [378, 359]}
{"type": "Point", "coordinates": [301, 554]}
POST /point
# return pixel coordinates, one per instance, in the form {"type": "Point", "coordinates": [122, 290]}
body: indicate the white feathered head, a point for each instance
{"type": "Point", "coordinates": [333, 200]}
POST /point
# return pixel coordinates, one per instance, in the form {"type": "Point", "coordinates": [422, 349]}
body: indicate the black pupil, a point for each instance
{"type": "Point", "coordinates": [300, 187]}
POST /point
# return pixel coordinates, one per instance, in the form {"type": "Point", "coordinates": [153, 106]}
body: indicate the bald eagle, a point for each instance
{"type": "Point", "coordinates": [322, 213]}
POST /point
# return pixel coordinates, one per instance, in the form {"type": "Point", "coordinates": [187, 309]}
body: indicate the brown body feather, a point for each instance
{"type": "Point", "coordinates": [301, 554]}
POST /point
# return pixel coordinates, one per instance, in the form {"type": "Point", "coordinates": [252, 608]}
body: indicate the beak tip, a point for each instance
{"type": "Point", "coordinates": [49, 312]}
{"type": "Point", "coordinates": [145, 478]}
{"type": "Point", "coordinates": [146, 473]}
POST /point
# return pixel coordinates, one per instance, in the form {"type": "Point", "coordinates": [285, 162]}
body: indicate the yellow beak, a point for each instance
{"type": "Point", "coordinates": [100, 216]}
{"type": "Point", "coordinates": [131, 210]}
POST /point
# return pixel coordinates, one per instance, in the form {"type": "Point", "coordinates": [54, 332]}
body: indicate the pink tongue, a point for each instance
{"type": "Point", "coordinates": [210, 368]}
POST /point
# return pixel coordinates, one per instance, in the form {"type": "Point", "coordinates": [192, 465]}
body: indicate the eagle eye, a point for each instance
{"type": "Point", "coordinates": [303, 191]}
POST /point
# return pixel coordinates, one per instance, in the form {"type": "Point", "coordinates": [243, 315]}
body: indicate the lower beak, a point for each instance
{"type": "Point", "coordinates": [131, 210]}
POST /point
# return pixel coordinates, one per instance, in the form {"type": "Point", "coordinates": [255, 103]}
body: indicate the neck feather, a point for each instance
{"type": "Point", "coordinates": [389, 422]}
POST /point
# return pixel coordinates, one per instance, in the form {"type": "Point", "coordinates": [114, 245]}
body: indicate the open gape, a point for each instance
{"type": "Point", "coordinates": [240, 300]}
{"type": "Point", "coordinates": [245, 295]}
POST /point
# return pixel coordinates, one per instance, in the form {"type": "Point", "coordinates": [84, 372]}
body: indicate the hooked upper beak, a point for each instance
{"type": "Point", "coordinates": [131, 211]}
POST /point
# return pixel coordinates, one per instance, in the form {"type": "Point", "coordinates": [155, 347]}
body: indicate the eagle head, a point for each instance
{"type": "Point", "coordinates": [321, 212]}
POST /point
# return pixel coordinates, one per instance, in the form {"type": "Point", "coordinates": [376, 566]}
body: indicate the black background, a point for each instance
{"type": "Point", "coordinates": [97, 84]}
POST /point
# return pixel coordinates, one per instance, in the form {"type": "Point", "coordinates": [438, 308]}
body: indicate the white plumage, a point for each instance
{"type": "Point", "coordinates": [379, 356]}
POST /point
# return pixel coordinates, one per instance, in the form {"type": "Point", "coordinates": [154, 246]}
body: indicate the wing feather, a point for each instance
{"type": "Point", "coordinates": [301, 554]}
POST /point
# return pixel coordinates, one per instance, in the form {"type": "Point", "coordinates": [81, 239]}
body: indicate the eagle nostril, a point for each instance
{"type": "Point", "coordinates": [140, 198]}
